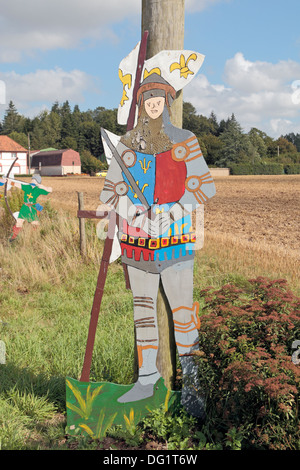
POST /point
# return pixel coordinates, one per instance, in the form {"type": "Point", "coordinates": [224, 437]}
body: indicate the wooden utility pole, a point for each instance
{"type": "Point", "coordinates": [164, 20]}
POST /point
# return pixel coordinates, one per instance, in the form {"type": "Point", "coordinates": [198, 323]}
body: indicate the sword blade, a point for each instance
{"type": "Point", "coordinates": [125, 170]}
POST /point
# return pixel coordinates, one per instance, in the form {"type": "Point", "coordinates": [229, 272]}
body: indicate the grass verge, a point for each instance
{"type": "Point", "coordinates": [45, 300]}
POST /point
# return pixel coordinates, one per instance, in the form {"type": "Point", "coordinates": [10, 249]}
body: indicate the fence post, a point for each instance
{"type": "Point", "coordinates": [81, 226]}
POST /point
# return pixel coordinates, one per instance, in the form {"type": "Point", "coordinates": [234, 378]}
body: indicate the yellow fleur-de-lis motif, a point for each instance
{"type": "Point", "coordinates": [182, 65]}
{"type": "Point", "coordinates": [143, 189]}
{"type": "Point", "coordinates": [143, 165]}
{"type": "Point", "coordinates": [126, 80]}
{"type": "Point", "coordinates": [155, 70]}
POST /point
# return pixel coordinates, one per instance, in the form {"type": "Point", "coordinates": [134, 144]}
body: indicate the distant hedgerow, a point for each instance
{"type": "Point", "coordinates": [246, 365]}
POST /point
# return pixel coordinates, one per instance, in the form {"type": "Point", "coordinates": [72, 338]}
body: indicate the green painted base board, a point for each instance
{"type": "Point", "coordinates": [92, 408]}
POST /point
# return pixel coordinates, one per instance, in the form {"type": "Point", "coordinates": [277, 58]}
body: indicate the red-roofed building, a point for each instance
{"type": "Point", "coordinates": [56, 162]}
{"type": "Point", "coordinates": [9, 150]}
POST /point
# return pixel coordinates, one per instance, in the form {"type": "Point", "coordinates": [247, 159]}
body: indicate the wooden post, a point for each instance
{"type": "Point", "coordinates": [166, 357]}
{"type": "Point", "coordinates": [81, 226]}
{"type": "Point", "coordinates": [165, 23]}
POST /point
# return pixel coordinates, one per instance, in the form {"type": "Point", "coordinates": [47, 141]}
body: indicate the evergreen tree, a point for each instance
{"type": "Point", "coordinates": [236, 146]}
{"type": "Point", "coordinates": [90, 137]}
{"type": "Point", "coordinates": [11, 119]}
{"type": "Point", "coordinates": [221, 143]}
{"type": "Point", "coordinates": [222, 126]}
{"type": "Point", "coordinates": [67, 128]}
{"type": "Point", "coordinates": [213, 147]}
{"type": "Point", "coordinates": [46, 130]}
{"type": "Point", "coordinates": [214, 124]}
{"type": "Point", "coordinates": [55, 107]}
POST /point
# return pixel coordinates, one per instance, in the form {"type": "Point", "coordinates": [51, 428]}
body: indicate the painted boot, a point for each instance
{"type": "Point", "coordinates": [148, 376]}
{"type": "Point", "coordinates": [15, 233]}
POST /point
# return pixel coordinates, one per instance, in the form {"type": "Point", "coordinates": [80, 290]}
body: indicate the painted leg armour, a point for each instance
{"type": "Point", "coordinates": [147, 339]}
{"type": "Point", "coordinates": [146, 334]}
{"type": "Point", "coordinates": [186, 326]}
{"type": "Point", "coordinates": [15, 233]}
{"type": "Point", "coordinates": [178, 285]}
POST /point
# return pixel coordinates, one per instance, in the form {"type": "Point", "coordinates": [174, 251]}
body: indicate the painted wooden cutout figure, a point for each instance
{"type": "Point", "coordinates": [157, 177]}
{"type": "Point", "coordinates": [30, 209]}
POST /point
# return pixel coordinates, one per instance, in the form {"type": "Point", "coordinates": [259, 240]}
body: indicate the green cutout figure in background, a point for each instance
{"type": "Point", "coordinates": [30, 209]}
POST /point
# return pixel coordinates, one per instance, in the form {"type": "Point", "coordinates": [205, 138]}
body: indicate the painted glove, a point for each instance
{"type": "Point", "coordinates": [155, 226]}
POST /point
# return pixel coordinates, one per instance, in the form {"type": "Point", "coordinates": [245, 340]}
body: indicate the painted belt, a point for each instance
{"type": "Point", "coordinates": [30, 205]}
{"type": "Point", "coordinates": [156, 243]}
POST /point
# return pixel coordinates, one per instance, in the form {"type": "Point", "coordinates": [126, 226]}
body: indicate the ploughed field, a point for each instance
{"type": "Point", "coordinates": [251, 209]}
{"type": "Point", "coordinates": [261, 209]}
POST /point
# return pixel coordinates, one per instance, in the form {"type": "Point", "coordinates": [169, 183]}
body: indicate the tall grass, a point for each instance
{"type": "Point", "coordinates": [47, 292]}
{"type": "Point", "coordinates": [46, 295]}
{"type": "Point", "coordinates": [226, 258]}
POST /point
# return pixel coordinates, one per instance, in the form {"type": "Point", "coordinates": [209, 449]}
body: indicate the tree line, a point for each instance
{"type": "Point", "coordinates": [62, 127]}
{"type": "Point", "coordinates": [223, 143]}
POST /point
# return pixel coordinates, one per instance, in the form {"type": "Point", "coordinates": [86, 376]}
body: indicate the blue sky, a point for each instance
{"type": "Point", "coordinates": [57, 50]}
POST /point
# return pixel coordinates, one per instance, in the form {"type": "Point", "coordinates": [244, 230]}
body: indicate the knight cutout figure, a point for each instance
{"type": "Point", "coordinates": [157, 177]}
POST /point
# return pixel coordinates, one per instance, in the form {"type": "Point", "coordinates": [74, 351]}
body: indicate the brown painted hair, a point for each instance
{"type": "Point", "coordinates": [168, 90]}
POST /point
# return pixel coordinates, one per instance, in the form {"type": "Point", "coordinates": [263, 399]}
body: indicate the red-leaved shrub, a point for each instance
{"type": "Point", "coordinates": [245, 362]}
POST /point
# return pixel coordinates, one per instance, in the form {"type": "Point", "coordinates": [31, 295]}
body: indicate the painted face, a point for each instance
{"type": "Point", "coordinates": [154, 106]}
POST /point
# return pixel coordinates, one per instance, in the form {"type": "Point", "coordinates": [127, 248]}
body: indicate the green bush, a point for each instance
{"type": "Point", "coordinates": [90, 164]}
{"type": "Point", "coordinates": [260, 168]}
{"type": "Point", "coordinates": [246, 367]}
{"type": "Point", "coordinates": [263, 168]}
{"type": "Point", "coordinates": [294, 157]}
{"type": "Point", "coordinates": [292, 169]}
{"type": "Point", "coordinates": [15, 199]}
{"type": "Point", "coordinates": [241, 169]}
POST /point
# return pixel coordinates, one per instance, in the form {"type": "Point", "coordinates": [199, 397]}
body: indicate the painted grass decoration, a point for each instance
{"type": "Point", "coordinates": [92, 408]}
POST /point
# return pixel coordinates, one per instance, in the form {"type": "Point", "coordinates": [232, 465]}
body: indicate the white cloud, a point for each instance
{"type": "Point", "coordinates": [281, 126]}
{"type": "Point", "coordinates": [34, 91]}
{"type": "Point", "coordinates": [260, 94]}
{"type": "Point", "coordinates": [248, 76]}
{"type": "Point", "coordinates": [51, 24]}
{"type": "Point", "coordinates": [31, 25]}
